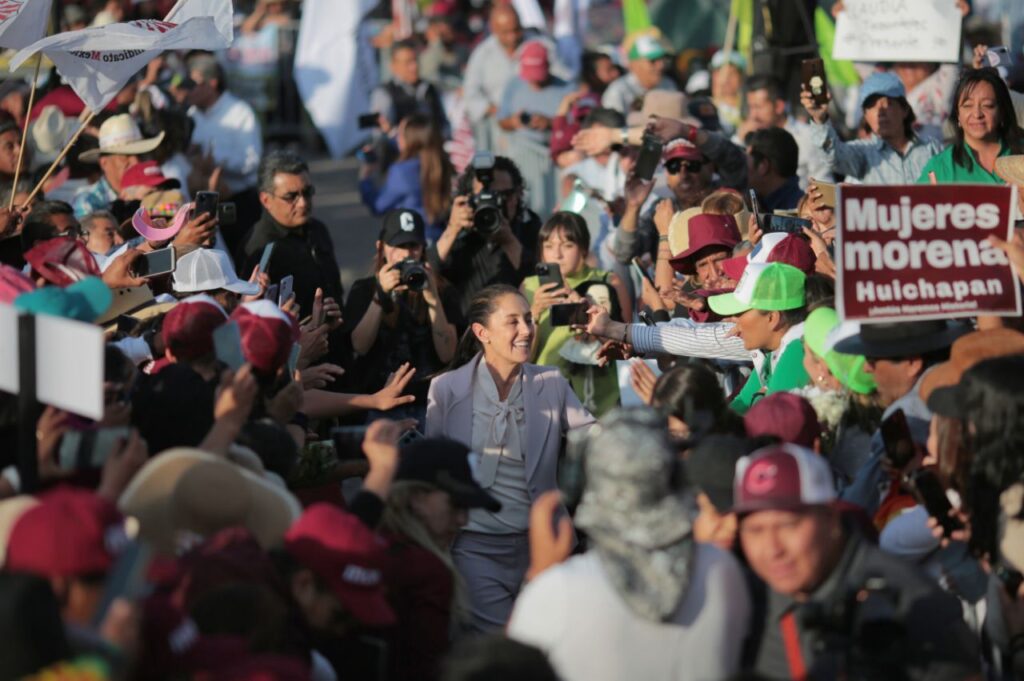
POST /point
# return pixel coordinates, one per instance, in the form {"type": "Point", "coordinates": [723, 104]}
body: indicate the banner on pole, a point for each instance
{"type": "Point", "coordinates": [22, 22]}
{"type": "Point", "coordinates": [922, 252]}
{"type": "Point", "coordinates": [898, 30]}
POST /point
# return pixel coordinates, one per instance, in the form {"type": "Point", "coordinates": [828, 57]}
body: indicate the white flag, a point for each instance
{"type": "Point", "coordinates": [335, 69]}
{"type": "Point", "coordinates": [22, 22]}
{"type": "Point", "coordinates": [96, 72]}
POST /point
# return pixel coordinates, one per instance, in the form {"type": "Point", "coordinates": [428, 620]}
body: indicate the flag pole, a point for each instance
{"type": "Point", "coordinates": [24, 130]}
{"type": "Point", "coordinates": [82, 127]}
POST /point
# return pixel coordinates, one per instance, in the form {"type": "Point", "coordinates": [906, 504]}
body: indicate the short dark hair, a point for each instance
{"type": "Point", "coordinates": [207, 64]}
{"type": "Point", "coordinates": [279, 162]}
{"type": "Point", "coordinates": [572, 226]}
{"type": "Point", "coordinates": [464, 185]}
{"type": "Point", "coordinates": [407, 44]}
{"type": "Point", "coordinates": [610, 118]}
{"type": "Point", "coordinates": [39, 222]}
{"type": "Point", "coordinates": [776, 146]}
{"type": "Point", "coordinates": [769, 83]}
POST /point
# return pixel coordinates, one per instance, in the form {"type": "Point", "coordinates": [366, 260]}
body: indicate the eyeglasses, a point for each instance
{"type": "Point", "coordinates": [307, 193]}
{"type": "Point", "coordinates": [677, 164]}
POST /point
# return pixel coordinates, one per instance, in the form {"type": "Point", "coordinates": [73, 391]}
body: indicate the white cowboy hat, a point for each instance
{"type": "Point", "coordinates": [49, 133]}
{"type": "Point", "coordinates": [120, 135]}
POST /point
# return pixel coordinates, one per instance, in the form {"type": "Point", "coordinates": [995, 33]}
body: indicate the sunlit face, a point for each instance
{"type": "Point", "coordinates": [103, 236]}
{"type": "Point", "coordinates": [113, 167]}
{"type": "Point", "coordinates": [439, 515]}
{"type": "Point", "coordinates": [508, 333]}
{"type": "Point", "coordinates": [568, 254]}
{"type": "Point", "coordinates": [713, 527]}
{"type": "Point", "coordinates": [404, 66]}
{"type": "Point", "coordinates": [755, 328]}
{"type": "Point", "coordinates": [978, 113]}
{"type": "Point", "coordinates": [709, 270]}
{"type": "Point", "coordinates": [685, 175]}
{"type": "Point", "coordinates": [505, 26]}
{"type": "Point", "coordinates": [791, 550]}
{"type": "Point", "coordinates": [885, 117]}
{"type": "Point", "coordinates": [762, 110]}
{"type": "Point", "coordinates": [10, 145]}
{"type": "Point", "coordinates": [648, 71]}
{"type": "Point", "coordinates": [291, 202]}
{"type": "Point", "coordinates": [726, 81]}
{"type": "Point", "coordinates": [204, 94]}
{"type": "Point", "coordinates": [818, 370]}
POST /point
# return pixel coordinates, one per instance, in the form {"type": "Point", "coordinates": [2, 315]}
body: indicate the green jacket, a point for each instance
{"type": "Point", "coordinates": [949, 172]}
{"type": "Point", "coordinates": [788, 374]}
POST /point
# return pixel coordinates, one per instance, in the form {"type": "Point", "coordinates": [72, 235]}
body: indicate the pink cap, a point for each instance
{"type": "Point", "coordinates": [156, 229]}
{"type": "Point", "coordinates": [533, 62]}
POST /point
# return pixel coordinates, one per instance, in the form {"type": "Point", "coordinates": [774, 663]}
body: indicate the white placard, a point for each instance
{"type": "Point", "coordinates": [628, 396]}
{"type": "Point", "coordinates": [69, 362]}
{"type": "Point", "coordinates": [898, 30]}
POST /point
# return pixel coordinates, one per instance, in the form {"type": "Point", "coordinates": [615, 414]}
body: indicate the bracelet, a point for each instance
{"type": "Point", "coordinates": [624, 136]}
{"type": "Point", "coordinates": [662, 238]}
{"type": "Point", "coordinates": [625, 333]}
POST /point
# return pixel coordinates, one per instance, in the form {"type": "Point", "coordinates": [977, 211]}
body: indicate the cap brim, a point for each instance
{"type": "Point", "coordinates": [733, 267]}
{"type": "Point", "coordinates": [727, 305]}
{"type": "Point", "coordinates": [369, 606]}
{"type": "Point", "coordinates": [947, 400]}
{"type": "Point", "coordinates": [243, 288]}
{"type": "Point", "coordinates": [904, 347]}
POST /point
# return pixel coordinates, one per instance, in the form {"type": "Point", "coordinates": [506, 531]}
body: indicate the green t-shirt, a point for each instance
{"type": "Point", "coordinates": [596, 387]}
{"type": "Point", "coordinates": [948, 172]}
{"type": "Point", "coordinates": [788, 374]}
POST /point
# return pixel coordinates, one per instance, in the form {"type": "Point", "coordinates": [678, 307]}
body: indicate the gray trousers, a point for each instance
{"type": "Point", "coordinates": [493, 567]}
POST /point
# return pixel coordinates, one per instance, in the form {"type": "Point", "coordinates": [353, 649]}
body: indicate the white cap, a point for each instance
{"type": "Point", "coordinates": [210, 269]}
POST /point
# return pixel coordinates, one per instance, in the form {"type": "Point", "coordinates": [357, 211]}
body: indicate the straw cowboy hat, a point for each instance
{"type": "Point", "coordinates": [120, 135]}
{"type": "Point", "coordinates": [1011, 168]}
{"type": "Point", "coordinates": [49, 133]}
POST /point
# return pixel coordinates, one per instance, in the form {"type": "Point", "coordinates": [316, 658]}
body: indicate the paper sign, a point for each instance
{"type": "Point", "coordinates": [69, 362]}
{"type": "Point", "coordinates": [898, 30]}
{"type": "Point", "coordinates": [627, 395]}
{"type": "Point", "coordinates": [921, 252]}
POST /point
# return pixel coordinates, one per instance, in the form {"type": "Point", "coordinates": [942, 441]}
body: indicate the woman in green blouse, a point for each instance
{"type": "Point", "coordinates": [564, 240]}
{"type": "Point", "coordinates": [986, 128]}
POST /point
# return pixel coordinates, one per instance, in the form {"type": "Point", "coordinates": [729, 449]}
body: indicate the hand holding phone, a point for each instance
{"type": "Point", "coordinates": [286, 287]}
{"type": "Point", "coordinates": [649, 158]}
{"type": "Point", "coordinates": [268, 251]}
{"type": "Point", "coordinates": [787, 224]}
{"type": "Point", "coordinates": [569, 314]}
{"type": "Point", "coordinates": [642, 272]}
{"type": "Point", "coordinates": [206, 202]}
{"type": "Point", "coordinates": [227, 344]}
{"type": "Point", "coordinates": [549, 273]}
{"type": "Point", "coordinates": [155, 263]}
{"type": "Point", "coordinates": [926, 488]}
{"type": "Point", "coordinates": [900, 449]}
{"type": "Point", "coordinates": [813, 79]}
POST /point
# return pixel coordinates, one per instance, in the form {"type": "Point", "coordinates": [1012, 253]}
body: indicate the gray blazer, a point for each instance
{"type": "Point", "coordinates": [551, 408]}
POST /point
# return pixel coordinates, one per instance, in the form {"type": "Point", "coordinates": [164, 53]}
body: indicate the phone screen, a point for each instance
{"type": "Point", "coordinates": [286, 289]}
{"type": "Point", "coordinates": [649, 158]}
{"type": "Point", "coordinates": [929, 491]}
{"type": "Point", "coordinates": [227, 343]}
{"type": "Point", "coordinates": [755, 208]}
{"type": "Point", "coordinates": [206, 202]}
{"type": "Point", "coordinates": [88, 449]}
{"type": "Point", "coordinates": [899, 445]}
{"type": "Point", "coordinates": [787, 224]}
{"type": "Point", "coordinates": [642, 271]}
{"type": "Point", "coordinates": [293, 359]}
{"type": "Point", "coordinates": [268, 250]}
{"type": "Point", "coordinates": [155, 263]}
{"type": "Point", "coordinates": [549, 273]}
{"type": "Point", "coordinates": [813, 77]}
{"type": "Point", "coordinates": [569, 314]}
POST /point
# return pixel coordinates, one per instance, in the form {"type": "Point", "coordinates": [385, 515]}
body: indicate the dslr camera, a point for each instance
{"type": "Point", "coordinates": [412, 274]}
{"type": "Point", "coordinates": [487, 204]}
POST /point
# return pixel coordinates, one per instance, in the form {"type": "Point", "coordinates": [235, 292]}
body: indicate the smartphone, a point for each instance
{"type": "Point", "coordinates": [127, 324]}
{"type": "Point", "coordinates": [649, 157]}
{"type": "Point", "coordinates": [828, 192]}
{"type": "Point", "coordinates": [569, 314]}
{"type": "Point", "coordinates": [525, 117]}
{"type": "Point", "coordinates": [998, 56]}
{"type": "Point", "coordinates": [549, 273]}
{"type": "Point", "coordinates": [755, 208]}
{"type": "Point", "coordinates": [293, 359]}
{"type": "Point", "coordinates": [410, 436]}
{"type": "Point", "coordinates": [155, 263]}
{"type": "Point", "coordinates": [899, 445]}
{"type": "Point", "coordinates": [88, 449]}
{"type": "Point", "coordinates": [812, 75]}
{"type": "Point", "coordinates": [268, 251]}
{"type": "Point", "coordinates": [642, 271]}
{"type": "Point", "coordinates": [227, 343]}
{"type": "Point", "coordinates": [927, 489]}
{"type": "Point", "coordinates": [646, 318]}
{"type": "Point", "coordinates": [787, 224]}
{"type": "Point", "coordinates": [368, 121]}
{"type": "Point", "coordinates": [227, 214]}
{"type": "Point", "coordinates": [127, 578]}
{"type": "Point", "coordinates": [285, 291]}
{"type": "Point", "coordinates": [348, 442]}
{"type": "Point", "coordinates": [206, 202]}
{"type": "Point", "coordinates": [271, 293]}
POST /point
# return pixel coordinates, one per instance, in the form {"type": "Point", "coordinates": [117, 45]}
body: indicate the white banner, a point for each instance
{"type": "Point", "coordinates": [22, 22]}
{"type": "Point", "coordinates": [335, 69]}
{"type": "Point", "coordinates": [898, 30]}
{"type": "Point", "coordinates": [96, 73]}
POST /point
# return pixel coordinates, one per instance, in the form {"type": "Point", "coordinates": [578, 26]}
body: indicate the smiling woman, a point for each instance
{"type": "Point", "coordinates": [512, 414]}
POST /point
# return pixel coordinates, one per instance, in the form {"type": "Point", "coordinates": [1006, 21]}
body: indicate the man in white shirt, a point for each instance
{"type": "Point", "coordinates": [228, 131]}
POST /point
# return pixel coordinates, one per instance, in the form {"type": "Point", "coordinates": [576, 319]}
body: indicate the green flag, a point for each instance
{"type": "Point", "coordinates": [635, 16]}
{"type": "Point", "coordinates": [838, 71]}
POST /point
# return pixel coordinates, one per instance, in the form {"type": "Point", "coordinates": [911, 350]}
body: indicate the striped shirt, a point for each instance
{"type": "Point", "coordinates": [687, 338]}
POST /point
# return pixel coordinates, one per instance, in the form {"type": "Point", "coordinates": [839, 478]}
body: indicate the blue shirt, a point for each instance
{"type": "Point", "coordinates": [874, 161]}
{"type": "Point", "coordinates": [401, 189]}
{"type": "Point", "coordinates": [97, 196]}
{"type": "Point", "coordinates": [519, 96]}
{"type": "Point", "coordinates": [785, 197]}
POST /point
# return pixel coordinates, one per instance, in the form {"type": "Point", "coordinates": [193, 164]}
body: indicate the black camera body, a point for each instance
{"type": "Point", "coordinates": [488, 205]}
{"type": "Point", "coordinates": [412, 274]}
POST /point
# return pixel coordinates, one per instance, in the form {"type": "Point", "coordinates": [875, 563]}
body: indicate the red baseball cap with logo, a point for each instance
{"type": "Point", "coordinates": [146, 174]}
{"type": "Point", "coordinates": [188, 328]}
{"type": "Point", "coordinates": [267, 335]}
{"type": "Point", "coordinates": [782, 478]}
{"type": "Point", "coordinates": [533, 62]}
{"type": "Point", "coordinates": [786, 416]}
{"type": "Point", "coordinates": [789, 249]}
{"type": "Point", "coordinates": [684, 149]}
{"type": "Point", "coordinates": [72, 532]}
{"type": "Point", "coordinates": [62, 261]}
{"type": "Point", "coordinates": [346, 555]}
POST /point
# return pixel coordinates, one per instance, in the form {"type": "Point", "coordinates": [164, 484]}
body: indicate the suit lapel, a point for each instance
{"type": "Point", "coordinates": [538, 418]}
{"type": "Point", "coordinates": [459, 415]}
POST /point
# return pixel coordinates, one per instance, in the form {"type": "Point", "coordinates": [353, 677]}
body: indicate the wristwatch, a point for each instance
{"type": "Point", "coordinates": [624, 136]}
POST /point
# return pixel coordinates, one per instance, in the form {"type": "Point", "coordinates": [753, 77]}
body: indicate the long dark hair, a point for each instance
{"type": "Point", "coordinates": [1010, 133]}
{"type": "Point", "coordinates": [691, 393]}
{"type": "Point", "coordinates": [481, 308]}
{"type": "Point", "coordinates": [995, 413]}
{"type": "Point", "coordinates": [423, 141]}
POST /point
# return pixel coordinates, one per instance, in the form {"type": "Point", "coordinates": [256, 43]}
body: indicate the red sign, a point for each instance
{"type": "Point", "coordinates": [922, 252]}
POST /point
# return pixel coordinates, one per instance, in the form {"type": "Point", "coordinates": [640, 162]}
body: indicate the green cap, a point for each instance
{"type": "Point", "coordinates": [83, 301]}
{"type": "Point", "coordinates": [848, 369]}
{"type": "Point", "coordinates": [647, 47]}
{"type": "Point", "coordinates": [763, 286]}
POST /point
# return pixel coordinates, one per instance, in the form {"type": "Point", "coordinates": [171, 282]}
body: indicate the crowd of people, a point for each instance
{"type": "Point", "coordinates": [586, 414]}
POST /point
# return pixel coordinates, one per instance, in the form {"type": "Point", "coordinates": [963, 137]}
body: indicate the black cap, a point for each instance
{"type": "Point", "coordinates": [902, 339]}
{"type": "Point", "coordinates": [711, 467]}
{"type": "Point", "coordinates": [445, 464]}
{"type": "Point", "coordinates": [403, 227]}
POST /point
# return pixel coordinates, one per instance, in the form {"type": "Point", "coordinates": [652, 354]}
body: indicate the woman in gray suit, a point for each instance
{"type": "Point", "coordinates": [511, 414]}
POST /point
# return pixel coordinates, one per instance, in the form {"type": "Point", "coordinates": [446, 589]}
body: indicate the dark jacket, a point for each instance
{"type": "Point", "coordinates": [937, 645]}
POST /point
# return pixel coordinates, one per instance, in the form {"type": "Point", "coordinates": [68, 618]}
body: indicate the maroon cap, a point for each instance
{"type": "Point", "coordinates": [267, 335]}
{"type": "Point", "coordinates": [782, 477]}
{"type": "Point", "coordinates": [789, 249]}
{"type": "Point", "coordinates": [786, 416]}
{"type": "Point", "coordinates": [347, 556]}
{"type": "Point", "coordinates": [188, 327]}
{"type": "Point", "coordinates": [533, 62]}
{"type": "Point", "coordinates": [171, 641]}
{"type": "Point", "coordinates": [146, 174]}
{"type": "Point", "coordinates": [71, 532]}
{"type": "Point", "coordinates": [62, 261]}
{"type": "Point", "coordinates": [267, 667]}
{"type": "Point", "coordinates": [13, 283]}
{"type": "Point", "coordinates": [705, 230]}
{"type": "Point", "coordinates": [681, 148]}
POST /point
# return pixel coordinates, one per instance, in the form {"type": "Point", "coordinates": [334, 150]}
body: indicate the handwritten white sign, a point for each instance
{"type": "Point", "coordinates": [898, 30]}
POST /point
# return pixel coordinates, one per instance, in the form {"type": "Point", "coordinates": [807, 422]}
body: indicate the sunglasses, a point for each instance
{"type": "Point", "coordinates": [674, 166]}
{"type": "Point", "coordinates": [307, 193]}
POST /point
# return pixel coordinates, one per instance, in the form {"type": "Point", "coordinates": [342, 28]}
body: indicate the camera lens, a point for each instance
{"type": "Point", "coordinates": [414, 275]}
{"type": "Point", "coordinates": [486, 220]}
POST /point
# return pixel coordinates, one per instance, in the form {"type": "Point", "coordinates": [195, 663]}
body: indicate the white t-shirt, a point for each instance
{"type": "Point", "coordinates": [573, 613]}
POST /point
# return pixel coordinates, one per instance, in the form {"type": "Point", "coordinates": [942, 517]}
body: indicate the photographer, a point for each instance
{"type": "Point", "coordinates": [490, 233]}
{"type": "Point", "coordinates": [400, 314]}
